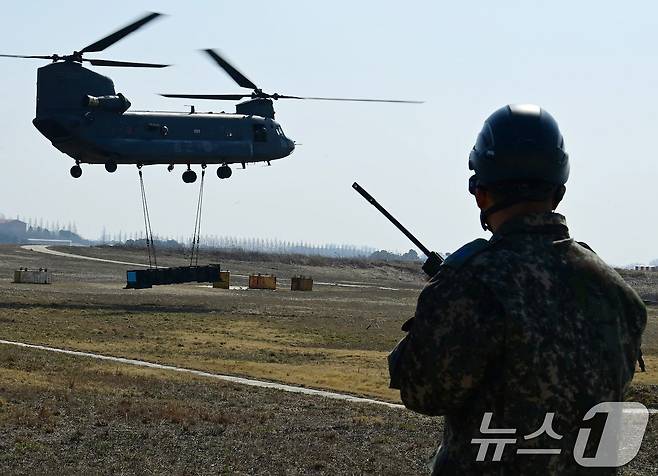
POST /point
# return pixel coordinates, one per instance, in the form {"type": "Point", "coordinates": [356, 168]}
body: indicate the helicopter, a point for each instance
{"type": "Point", "coordinates": [83, 116]}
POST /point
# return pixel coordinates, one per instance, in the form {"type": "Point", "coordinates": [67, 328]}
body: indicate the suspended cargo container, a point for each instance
{"type": "Point", "coordinates": [262, 281]}
{"type": "Point", "coordinates": [146, 278]}
{"type": "Point", "coordinates": [32, 276]}
{"type": "Point", "coordinates": [224, 280]}
{"type": "Point", "coordinates": [301, 283]}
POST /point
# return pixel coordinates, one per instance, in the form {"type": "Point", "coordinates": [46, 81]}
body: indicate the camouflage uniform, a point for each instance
{"type": "Point", "coordinates": [526, 323]}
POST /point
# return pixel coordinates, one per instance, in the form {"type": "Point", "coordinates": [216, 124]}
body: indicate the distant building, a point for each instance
{"type": "Point", "coordinates": [49, 241]}
{"type": "Point", "coordinates": [12, 231]}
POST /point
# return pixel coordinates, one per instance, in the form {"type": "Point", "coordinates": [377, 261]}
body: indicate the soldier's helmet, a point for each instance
{"type": "Point", "coordinates": [519, 143]}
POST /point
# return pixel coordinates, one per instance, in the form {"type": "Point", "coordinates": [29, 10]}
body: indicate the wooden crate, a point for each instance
{"type": "Point", "coordinates": [301, 283]}
{"type": "Point", "coordinates": [262, 281]}
{"type": "Point", "coordinates": [224, 280]}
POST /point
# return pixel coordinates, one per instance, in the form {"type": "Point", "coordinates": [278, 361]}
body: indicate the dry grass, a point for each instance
{"type": "Point", "coordinates": [61, 414]}
{"type": "Point", "coordinates": [288, 350]}
{"type": "Point", "coordinates": [115, 419]}
{"type": "Point", "coordinates": [218, 344]}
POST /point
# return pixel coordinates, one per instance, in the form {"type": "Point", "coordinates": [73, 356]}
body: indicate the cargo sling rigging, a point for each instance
{"type": "Point", "coordinates": [196, 237]}
{"type": "Point", "coordinates": [150, 246]}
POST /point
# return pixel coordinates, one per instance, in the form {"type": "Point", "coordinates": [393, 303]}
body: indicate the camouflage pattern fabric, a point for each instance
{"type": "Point", "coordinates": [531, 323]}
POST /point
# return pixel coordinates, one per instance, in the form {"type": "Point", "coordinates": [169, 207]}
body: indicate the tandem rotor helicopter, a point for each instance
{"type": "Point", "coordinates": [83, 116]}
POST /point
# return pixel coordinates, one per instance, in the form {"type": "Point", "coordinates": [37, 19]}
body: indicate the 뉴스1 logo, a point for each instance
{"type": "Point", "coordinates": [619, 441]}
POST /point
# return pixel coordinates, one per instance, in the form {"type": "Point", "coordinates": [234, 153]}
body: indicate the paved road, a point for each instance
{"type": "Point", "coordinates": [226, 378]}
{"type": "Point", "coordinates": [46, 250]}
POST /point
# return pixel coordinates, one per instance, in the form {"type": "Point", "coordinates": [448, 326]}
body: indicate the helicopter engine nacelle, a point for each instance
{"type": "Point", "coordinates": [256, 107]}
{"type": "Point", "coordinates": [115, 103]}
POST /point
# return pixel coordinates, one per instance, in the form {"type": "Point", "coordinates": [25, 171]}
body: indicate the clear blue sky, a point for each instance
{"type": "Point", "coordinates": [591, 64]}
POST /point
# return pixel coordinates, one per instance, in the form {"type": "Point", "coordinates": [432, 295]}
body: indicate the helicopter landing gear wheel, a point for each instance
{"type": "Point", "coordinates": [189, 176]}
{"type": "Point", "coordinates": [224, 172]}
{"type": "Point", "coordinates": [170, 167]}
{"type": "Point", "coordinates": [111, 166]}
{"type": "Point", "coordinates": [76, 171]}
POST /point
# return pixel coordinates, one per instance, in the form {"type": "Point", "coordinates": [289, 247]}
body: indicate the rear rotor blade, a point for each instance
{"type": "Point", "coordinates": [28, 56]}
{"type": "Point", "coordinates": [228, 97]}
{"type": "Point", "coordinates": [109, 40]}
{"type": "Point", "coordinates": [237, 76]}
{"type": "Point", "coordinates": [397, 101]}
{"type": "Point", "coordinates": [124, 64]}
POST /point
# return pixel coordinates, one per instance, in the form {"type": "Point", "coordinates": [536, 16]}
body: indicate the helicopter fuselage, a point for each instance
{"type": "Point", "coordinates": [79, 111]}
{"type": "Point", "coordinates": [165, 138]}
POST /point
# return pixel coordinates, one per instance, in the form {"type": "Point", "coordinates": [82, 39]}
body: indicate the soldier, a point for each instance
{"type": "Point", "coordinates": [525, 324]}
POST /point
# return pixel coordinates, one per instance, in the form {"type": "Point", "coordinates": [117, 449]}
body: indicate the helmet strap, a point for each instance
{"type": "Point", "coordinates": [509, 202]}
{"type": "Point", "coordinates": [558, 194]}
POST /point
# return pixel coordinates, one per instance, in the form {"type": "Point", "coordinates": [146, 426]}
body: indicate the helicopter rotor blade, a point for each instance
{"type": "Point", "coordinates": [109, 40]}
{"type": "Point", "coordinates": [397, 101]}
{"type": "Point", "coordinates": [233, 97]}
{"type": "Point", "coordinates": [124, 64]}
{"type": "Point", "coordinates": [28, 56]}
{"type": "Point", "coordinates": [237, 76]}
{"type": "Point", "coordinates": [226, 97]}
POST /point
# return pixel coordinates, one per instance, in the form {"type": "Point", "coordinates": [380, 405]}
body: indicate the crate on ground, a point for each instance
{"type": "Point", "coordinates": [224, 280]}
{"type": "Point", "coordinates": [301, 283]}
{"type": "Point", "coordinates": [645, 267]}
{"type": "Point", "coordinates": [262, 281]}
{"type": "Point", "coordinates": [33, 276]}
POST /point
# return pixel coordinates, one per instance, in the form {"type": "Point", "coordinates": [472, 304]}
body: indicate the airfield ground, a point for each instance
{"type": "Point", "coordinates": [63, 414]}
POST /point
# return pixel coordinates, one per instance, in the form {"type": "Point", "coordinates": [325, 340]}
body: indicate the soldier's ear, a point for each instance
{"type": "Point", "coordinates": [559, 194]}
{"type": "Point", "coordinates": [483, 198]}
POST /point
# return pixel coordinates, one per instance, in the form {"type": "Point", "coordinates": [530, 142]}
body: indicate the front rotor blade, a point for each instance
{"type": "Point", "coordinates": [227, 97]}
{"type": "Point", "coordinates": [397, 101]}
{"type": "Point", "coordinates": [125, 64]}
{"type": "Point", "coordinates": [109, 40]}
{"type": "Point", "coordinates": [237, 76]}
{"type": "Point", "coordinates": [28, 56]}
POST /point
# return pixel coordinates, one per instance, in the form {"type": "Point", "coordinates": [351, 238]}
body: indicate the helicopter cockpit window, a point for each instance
{"type": "Point", "coordinates": [260, 133]}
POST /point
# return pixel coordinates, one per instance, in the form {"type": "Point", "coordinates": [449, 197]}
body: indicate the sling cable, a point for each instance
{"type": "Point", "coordinates": [196, 236]}
{"type": "Point", "coordinates": [146, 278]}
{"type": "Point", "coordinates": [150, 245]}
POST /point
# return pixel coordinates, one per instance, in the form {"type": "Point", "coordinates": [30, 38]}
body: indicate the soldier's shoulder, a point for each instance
{"type": "Point", "coordinates": [592, 266]}
{"type": "Point", "coordinates": [467, 262]}
{"type": "Point", "coordinates": [457, 276]}
{"type": "Point", "coordinates": [466, 253]}
{"type": "Point", "coordinates": [585, 245]}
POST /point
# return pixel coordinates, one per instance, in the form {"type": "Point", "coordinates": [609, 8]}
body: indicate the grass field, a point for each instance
{"type": "Point", "coordinates": [335, 337]}
{"type": "Point", "coordinates": [64, 415]}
